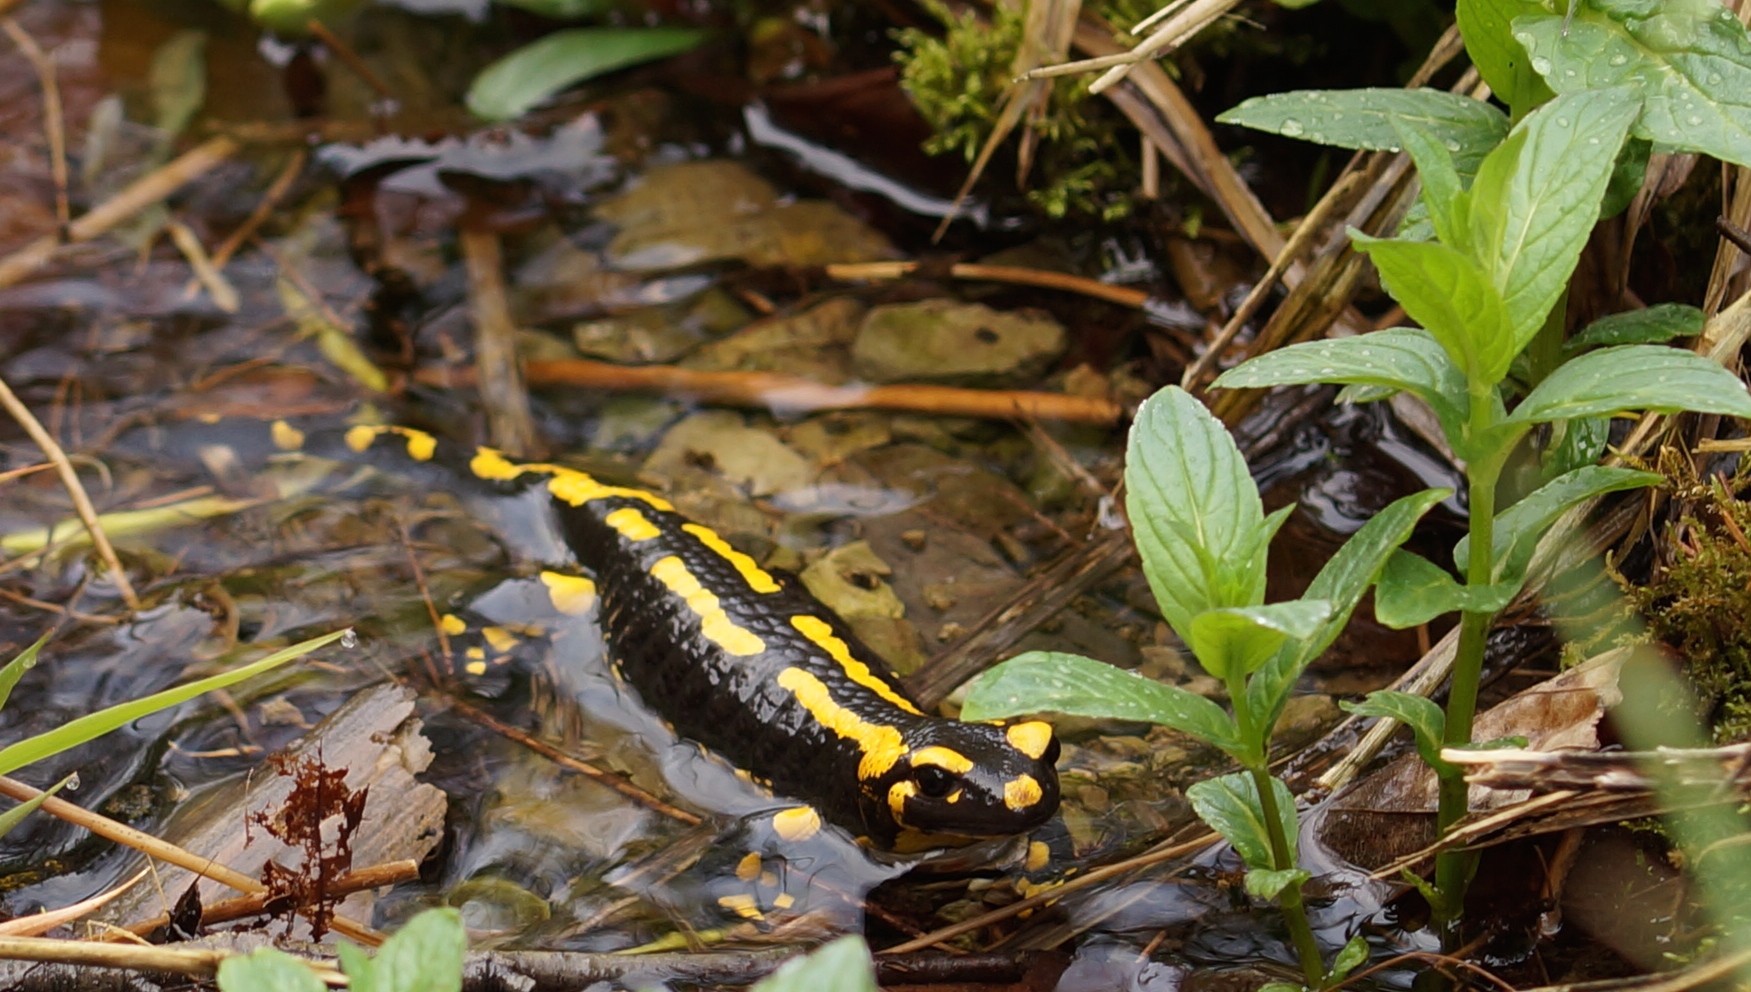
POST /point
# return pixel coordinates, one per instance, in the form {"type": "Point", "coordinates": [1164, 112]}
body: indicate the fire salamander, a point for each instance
{"type": "Point", "coordinates": [749, 664]}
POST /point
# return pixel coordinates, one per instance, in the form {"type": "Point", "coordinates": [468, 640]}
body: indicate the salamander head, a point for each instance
{"type": "Point", "coordinates": [971, 780]}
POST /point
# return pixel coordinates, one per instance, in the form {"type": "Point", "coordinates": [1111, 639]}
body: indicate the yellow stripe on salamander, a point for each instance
{"type": "Point", "coordinates": [757, 578]}
{"type": "Point", "coordinates": [572, 595]}
{"type": "Point", "coordinates": [818, 630]}
{"type": "Point", "coordinates": [566, 484]}
{"type": "Point", "coordinates": [632, 524]}
{"type": "Point", "coordinates": [882, 746]}
{"type": "Point", "coordinates": [420, 445]}
{"type": "Point", "coordinates": [714, 623]}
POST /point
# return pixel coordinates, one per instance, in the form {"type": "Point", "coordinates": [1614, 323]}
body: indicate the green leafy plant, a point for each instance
{"type": "Point", "coordinates": [1590, 86]}
{"type": "Point", "coordinates": [423, 956]}
{"type": "Point", "coordinates": [1202, 533]}
{"type": "Point", "coordinates": [538, 70]}
{"type": "Point", "coordinates": [840, 966]}
{"type": "Point", "coordinates": [76, 732]}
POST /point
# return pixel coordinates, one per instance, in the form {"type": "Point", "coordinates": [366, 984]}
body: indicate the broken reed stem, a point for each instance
{"type": "Point", "coordinates": [775, 391]}
{"type": "Point", "coordinates": [224, 911]}
{"type": "Point", "coordinates": [163, 850]}
{"type": "Point", "coordinates": [75, 491]}
{"type": "Point", "coordinates": [1124, 296]}
{"type": "Point", "coordinates": [136, 957]}
{"type": "Point", "coordinates": [138, 195]}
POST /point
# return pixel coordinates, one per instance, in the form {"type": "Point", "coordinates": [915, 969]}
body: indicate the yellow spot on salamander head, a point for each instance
{"type": "Point", "coordinates": [1031, 738]}
{"type": "Point", "coordinates": [572, 595]}
{"type": "Point", "coordinates": [420, 445]}
{"type": "Point", "coordinates": [499, 639]}
{"type": "Point", "coordinates": [1022, 792]}
{"type": "Point", "coordinates": [359, 438]}
{"type": "Point", "coordinates": [798, 823]}
{"type": "Point", "coordinates": [714, 623]}
{"type": "Point", "coordinates": [898, 793]}
{"type": "Point", "coordinates": [756, 577]}
{"type": "Point", "coordinates": [882, 746]}
{"type": "Point", "coordinates": [475, 668]}
{"type": "Point", "coordinates": [741, 904]}
{"type": "Point", "coordinates": [945, 758]}
{"type": "Point", "coordinates": [818, 631]}
{"type": "Point", "coordinates": [476, 654]}
{"type": "Point", "coordinates": [748, 868]}
{"type": "Point", "coordinates": [1038, 855]}
{"type": "Point", "coordinates": [286, 437]}
{"type": "Point", "coordinates": [632, 524]}
{"type": "Point", "coordinates": [451, 624]}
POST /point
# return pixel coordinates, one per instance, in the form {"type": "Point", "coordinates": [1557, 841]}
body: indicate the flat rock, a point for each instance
{"type": "Point", "coordinates": [946, 341]}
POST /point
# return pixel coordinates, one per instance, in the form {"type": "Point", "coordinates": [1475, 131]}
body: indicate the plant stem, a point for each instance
{"type": "Point", "coordinates": [1282, 856]}
{"type": "Point", "coordinates": [1453, 869]}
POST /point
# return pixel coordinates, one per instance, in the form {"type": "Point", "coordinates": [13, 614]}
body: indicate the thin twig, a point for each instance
{"type": "Point", "coordinates": [206, 273]}
{"type": "Point", "coordinates": [1015, 275]}
{"type": "Point", "coordinates": [510, 424]}
{"type": "Point", "coordinates": [53, 126]}
{"type": "Point", "coordinates": [269, 200]}
{"type": "Point", "coordinates": [175, 960]}
{"type": "Point", "coordinates": [75, 491]}
{"type": "Point", "coordinates": [37, 924]}
{"type": "Point", "coordinates": [350, 57]}
{"type": "Point", "coordinates": [137, 196]}
{"type": "Point", "coordinates": [777, 391]}
{"type": "Point", "coordinates": [226, 910]}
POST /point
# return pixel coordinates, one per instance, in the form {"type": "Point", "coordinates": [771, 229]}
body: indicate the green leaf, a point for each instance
{"type": "Point", "coordinates": [1195, 512]}
{"type": "Point", "coordinates": [16, 668]}
{"type": "Point", "coordinates": [12, 817]}
{"type": "Point", "coordinates": [1351, 957]}
{"type": "Point", "coordinates": [268, 970]}
{"type": "Point", "coordinates": [1241, 638]}
{"type": "Point", "coordinates": [1451, 297]}
{"type": "Point", "coordinates": [1536, 199]}
{"type": "Point", "coordinates": [564, 10]}
{"type": "Point", "coordinates": [76, 732]}
{"type": "Point", "coordinates": [357, 966]}
{"type": "Point", "coordinates": [1269, 883]}
{"type": "Point", "coordinates": [1443, 192]}
{"type": "Point", "coordinates": [1067, 683]}
{"type": "Point", "coordinates": [536, 71]}
{"type": "Point", "coordinates": [1626, 177]}
{"type": "Point", "coordinates": [1575, 444]}
{"type": "Point", "coordinates": [1342, 582]}
{"type": "Point", "coordinates": [1363, 119]}
{"type": "Point", "coordinates": [423, 956]}
{"type": "Point", "coordinates": [1489, 40]}
{"type": "Point", "coordinates": [1519, 527]}
{"type": "Point", "coordinates": [1396, 358]}
{"type": "Point", "coordinates": [1656, 325]}
{"type": "Point", "coordinates": [1419, 713]}
{"type": "Point", "coordinates": [1230, 805]}
{"type": "Point", "coordinates": [841, 966]}
{"type": "Point", "coordinates": [1634, 377]}
{"type": "Point", "coordinates": [1414, 590]}
{"type": "Point", "coordinates": [1282, 987]}
{"type": "Point", "coordinates": [1690, 61]}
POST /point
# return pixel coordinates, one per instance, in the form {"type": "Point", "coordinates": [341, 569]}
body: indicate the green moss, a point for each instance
{"type": "Point", "coordinates": [1083, 164]}
{"type": "Point", "coordinates": [1699, 603]}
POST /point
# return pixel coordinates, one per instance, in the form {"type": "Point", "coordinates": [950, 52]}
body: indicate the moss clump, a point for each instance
{"type": "Point", "coordinates": [1083, 165]}
{"type": "Point", "coordinates": [1700, 604]}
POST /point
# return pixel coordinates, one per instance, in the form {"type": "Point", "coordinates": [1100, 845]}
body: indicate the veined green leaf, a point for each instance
{"type": "Point", "coordinates": [1451, 297]}
{"type": "Point", "coordinates": [76, 732]}
{"type": "Point", "coordinates": [423, 956]}
{"type": "Point", "coordinates": [1656, 325]}
{"type": "Point", "coordinates": [841, 966]}
{"type": "Point", "coordinates": [1414, 590]}
{"type": "Point", "coordinates": [1537, 197]}
{"type": "Point", "coordinates": [1364, 119]}
{"type": "Point", "coordinates": [24, 662]}
{"type": "Point", "coordinates": [1576, 444]}
{"type": "Point", "coordinates": [1241, 638]}
{"type": "Point", "coordinates": [1518, 528]}
{"type": "Point", "coordinates": [540, 69]}
{"type": "Point", "coordinates": [1195, 512]}
{"type": "Point", "coordinates": [1230, 805]}
{"type": "Point", "coordinates": [1489, 40]}
{"type": "Point", "coordinates": [1039, 681]}
{"type": "Point", "coordinates": [1634, 377]}
{"type": "Point", "coordinates": [268, 969]}
{"type": "Point", "coordinates": [1269, 883]}
{"type": "Point", "coordinates": [1396, 358]}
{"type": "Point", "coordinates": [1690, 61]}
{"type": "Point", "coordinates": [1443, 191]}
{"type": "Point", "coordinates": [1351, 956]}
{"type": "Point", "coordinates": [1419, 713]}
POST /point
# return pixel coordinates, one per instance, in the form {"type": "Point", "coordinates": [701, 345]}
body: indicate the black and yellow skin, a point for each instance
{"type": "Point", "coordinates": [752, 666]}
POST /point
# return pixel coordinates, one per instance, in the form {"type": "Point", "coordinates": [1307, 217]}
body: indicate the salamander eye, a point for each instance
{"type": "Point", "coordinates": [933, 782]}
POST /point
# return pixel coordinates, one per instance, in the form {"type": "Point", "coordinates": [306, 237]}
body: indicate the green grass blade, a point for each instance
{"type": "Point", "coordinates": [77, 732]}
{"type": "Point", "coordinates": [16, 668]}
{"type": "Point", "coordinates": [11, 817]}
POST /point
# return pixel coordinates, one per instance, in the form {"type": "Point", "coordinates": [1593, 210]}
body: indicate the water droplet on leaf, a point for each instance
{"type": "Point", "coordinates": [1290, 128]}
{"type": "Point", "coordinates": [349, 639]}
